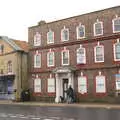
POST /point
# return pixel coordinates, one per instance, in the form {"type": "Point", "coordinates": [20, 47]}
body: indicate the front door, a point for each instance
{"type": "Point", "coordinates": [65, 87]}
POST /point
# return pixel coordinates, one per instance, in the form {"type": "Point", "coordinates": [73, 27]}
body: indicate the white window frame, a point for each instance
{"type": "Point", "coordinates": [97, 81]}
{"type": "Point", "coordinates": [82, 84]}
{"type": "Point", "coordinates": [82, 57]}
{"type": "Point", "coordinates": [95, 57]}
{"type": "Point", "coordinates": [114, 48]}
{"type": "Point", "coordinates": [117, 81]}
{"type": "Point", "coordinates": [36, 42]}
{"type": "Point", "coordinates": [62, 31]}
{"type": "Point", "coordinates": [113, 25]}
{"type": "Point", "coordinates": [35, 65]}
{"type": "Point", "coordinates": [62, 56]}
{"type": "Point", "coordinates": [37, 88]}
{"type": "Point", "coordinates": [77, 31]}
{"type": "Point", "coordinates": [51, 86]}
{"type": "Point", "coordinates": [48, 59]}
{"type": "Point", "coordinates": [48, 40]}
{"type": "Point", "coordinates": [98, 22]}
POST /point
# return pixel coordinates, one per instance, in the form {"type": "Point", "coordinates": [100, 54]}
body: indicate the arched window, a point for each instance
{"type": "Point", "coordinates": [9, 67]}
{"type": "Point", "coordinates": [37, 39]}
{"type": "Point", "coordinates": [65, 34]}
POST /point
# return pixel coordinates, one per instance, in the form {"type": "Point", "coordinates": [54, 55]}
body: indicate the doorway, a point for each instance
{"type": "Point", "coordinates": [65, 87]}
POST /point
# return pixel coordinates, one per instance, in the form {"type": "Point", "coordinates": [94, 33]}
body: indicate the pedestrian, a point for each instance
{"type": "Point", "coordinates": [70, 95]}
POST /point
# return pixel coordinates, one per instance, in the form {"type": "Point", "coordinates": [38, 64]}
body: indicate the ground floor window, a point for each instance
{"type": "Point", "coordinates": [117, 80]}
{"type": "Point", "coordinates": [100, 84]}
{"type": "Point", "coordinates": [51, 85]}
{"type": "Point", "coordinates": [37, 85]}
{"type": "Point", "coordinates": [82, 84]}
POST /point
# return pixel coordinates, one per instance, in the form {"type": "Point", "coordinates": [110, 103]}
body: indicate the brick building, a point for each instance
{"type": "Point", "coordinates": [82, 51]}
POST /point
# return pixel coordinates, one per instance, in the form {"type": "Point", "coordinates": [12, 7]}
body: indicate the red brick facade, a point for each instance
{"type": "Point", "coordinates": [108, 68]}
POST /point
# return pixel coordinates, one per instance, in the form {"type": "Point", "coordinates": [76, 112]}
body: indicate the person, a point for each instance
{"type": "Point", "coordinates": [70, 95]}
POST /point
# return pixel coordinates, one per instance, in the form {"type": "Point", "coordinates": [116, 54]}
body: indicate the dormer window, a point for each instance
{"type": "Point", "coordinates": [116, 24]}
{"type": "Point", "coordinates": [80, 30]}
{"type": "Point", "coordinates": [65, 34]}
{"type": "Point", "coordinates": [98, 28]}
{"type": "Point", "coordinates": [50, 37]}
{"type": "Point", "coordinates": [37, 39]}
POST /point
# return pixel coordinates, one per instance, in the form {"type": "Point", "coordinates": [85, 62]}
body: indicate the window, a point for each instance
{"type": "Point", "coordinates": [81, 55]}
{"type": "Point", "coordinates": [65, 57]}
{"type": "Point", "coordinates": [1, 49]}
{"type": "Point", "coordinates": [100, 84]}
{"type": "Point", "coordinates": [37, 39]}
{"type": "Point", "coordinates": [50, 37]}
{"type": "Point", "coordinates": [98, 28]}
{"type": "Point", "coordinates": [9, 67]}
{"type": "Point", "coordinates": [116, 24]}
{"type": "Point", "coordinates": [37, 85]}
{"type": "Point", "coordinates": [51, 85]}
{"type": "Point", "coordinates": [80, 31]}
{"type": "Point", "coordinates": [64, 34]}
{"type": "Point", "coordinates": [50, 58]}
{"type": "Point", "coordinates": [99, 53]}
{"type": "Point", "coordinates": [37, 60]}
{"type": "Point", "coordinates": [117, 78]}
{"type": "Point", "coordinates": [82, 84]}
{"type": "Point", "coordinates": [117, 51]}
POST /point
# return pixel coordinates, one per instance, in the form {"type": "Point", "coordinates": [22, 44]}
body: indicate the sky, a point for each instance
{"type": "Point", "coordinates": [17, 15]}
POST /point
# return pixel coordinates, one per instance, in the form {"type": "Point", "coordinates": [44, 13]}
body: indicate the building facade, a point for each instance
{"type": "Point", "coordinates": [13, 67]}
{"type": "Point", "coordinates": [82, 51]}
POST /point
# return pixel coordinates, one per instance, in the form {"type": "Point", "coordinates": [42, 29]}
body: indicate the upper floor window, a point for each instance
{"type": "Point", "coordinates": [99, 53]}
{"type": "Point", "coordinates": [98, 28]}
{"type": "Point", "coordinates": [80, 31]}
{"type": "Point", "coordinates": [50, 37]}
{"type": "Point", "coordinates": [1, 48]}
{"type": "Point", "coordinates": [37, 60]}
{"type": "Point", "coordinates": [37, 85]}
{"type": "Point", "coordinates": [65, 34]}
{"type": "Point", "coordinates": [37, 39]}
{"type": "Point", "coordinates": [117, 50]}
{"type": "Point", "coordinates": [116, 24]}
{"type": "Point", "coordinates": [81, 55]}
{"type": "Point", "coordinates": [9, 66]}
{"type": "Point", "coordinates": [65, 57]}
{"type": "Point", "coordinates": [100, 83]}
{"type": "Point", "coordinates": [50, 58]}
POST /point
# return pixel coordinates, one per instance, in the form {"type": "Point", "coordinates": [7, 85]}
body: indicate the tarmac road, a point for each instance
{"type": "Point", "coordinates": [31, 112]}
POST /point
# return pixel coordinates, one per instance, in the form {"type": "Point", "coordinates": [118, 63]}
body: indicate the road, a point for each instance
{"type": "Point", "coordinates": [20, 112]}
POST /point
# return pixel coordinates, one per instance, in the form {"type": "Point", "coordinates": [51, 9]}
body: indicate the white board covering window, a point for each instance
{"type": "Point", "coordinates": [37, 39]}
{"type": "Point", "coordinates": [100, 84]}
{"type": "Point", "coordinates": [51, 85]}
{"type": "Point", "coordinates": [117, 76]}
{"type": "Point", "coordinates": [81, 56]}
{"type": "Point", "coordinates": [82, 84]}
{"type": "Point", "coordinates": [37, 85]}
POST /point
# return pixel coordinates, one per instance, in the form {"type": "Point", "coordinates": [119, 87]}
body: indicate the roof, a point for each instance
{"type": "Point", "coordinates": [17, 45]}
{"type": "Point", "coordinates": [22, 44]}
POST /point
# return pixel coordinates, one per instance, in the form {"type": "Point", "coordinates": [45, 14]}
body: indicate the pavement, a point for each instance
{"type": "Point", "coordinates": [82, 105]}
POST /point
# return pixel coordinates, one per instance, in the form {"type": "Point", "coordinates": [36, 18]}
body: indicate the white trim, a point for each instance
{"type": "Point", "coordinates": [78, 61]}
{"type": "Point", "coordinates": [51, 87]}
{"type": "Point", "coordinates": [117, 18]}
{"type": "Point", "coordinates": [115, 59]}
{"type": "Point", "coordinates": [50, 52]}
{"type": "Point", "coordinates": [102, 53]}
{"type": "Point", "coordinates": [37, 87]}
{"type": "Point", "coordinates": [62, 34]}
{"type": "Point", "coordinates": [35, 66]}
{"type": "Point", "coordinates": [94, 30]}
{"type": "Point", "coordinates": [77, 32]}
{"type": "Point", "coordinates": [62, 56]}
{"type": "Point", "coordinates": [49, 41]}
{"type": "Point", "coordinates": [36, 42]}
